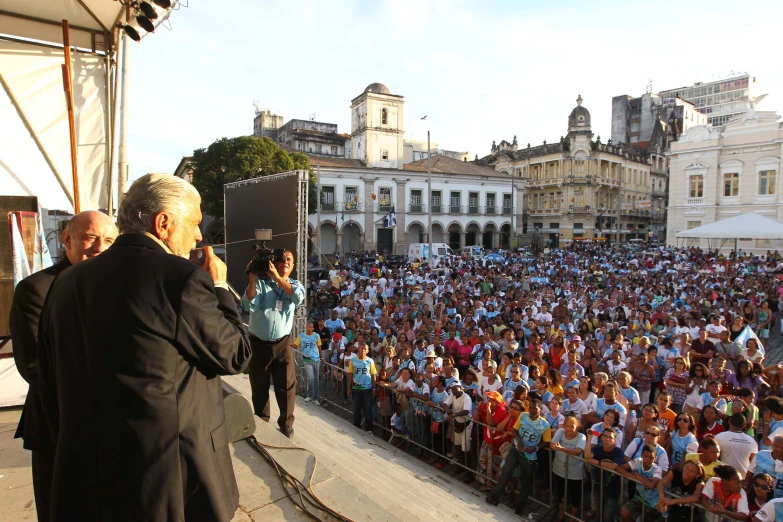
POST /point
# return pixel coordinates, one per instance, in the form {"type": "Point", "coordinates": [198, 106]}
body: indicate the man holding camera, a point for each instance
{"type": "Point", "coordinates": [271, 299]}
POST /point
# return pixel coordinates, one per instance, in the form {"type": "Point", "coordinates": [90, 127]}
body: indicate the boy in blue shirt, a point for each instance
{"type": "Point", "coordinates": [645, 500]}
{"type": "Point", "coordinates": [531, 433]}
{"type": "Point", "coordinates": [361, 383]}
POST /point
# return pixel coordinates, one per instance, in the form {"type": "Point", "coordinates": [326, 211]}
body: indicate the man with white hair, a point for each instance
{"type": "Point", "coordinates": [131, 347]}
{"type": "Point", "coordinates": [87, 234]}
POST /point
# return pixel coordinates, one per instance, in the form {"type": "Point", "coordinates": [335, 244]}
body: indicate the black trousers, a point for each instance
{"type": "Point", "coordinates": [362, 402]}
{"type": "Point", "coordinates": [43, 471]}
{"type": "Point", "coordinates": [273, 362]}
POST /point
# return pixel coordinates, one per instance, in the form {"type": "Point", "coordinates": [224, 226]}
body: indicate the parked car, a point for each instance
{"type": "Point", "coordinates": [394, 260]}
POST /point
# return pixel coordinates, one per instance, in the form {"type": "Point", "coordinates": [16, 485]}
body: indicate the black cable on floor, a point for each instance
{"type": "Point", "coordinates": [305, 492]}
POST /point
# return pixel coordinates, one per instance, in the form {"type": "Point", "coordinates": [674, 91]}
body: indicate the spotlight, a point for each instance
{"type": "Point", "coordinates": [145, 23]}
{"type": "Point", "coordinates": [132, 33]}
{"type": "Point", "coordinates": [163, 4]}
{"type": "Point", "coordinates": [148, 10]}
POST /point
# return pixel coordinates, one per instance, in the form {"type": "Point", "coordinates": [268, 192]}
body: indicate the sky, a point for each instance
{"type": "Point", "coordinates": [480, 71]}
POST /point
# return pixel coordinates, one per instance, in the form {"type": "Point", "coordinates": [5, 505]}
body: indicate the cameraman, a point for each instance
{"type": "Point", "coordinates": [271, 301]}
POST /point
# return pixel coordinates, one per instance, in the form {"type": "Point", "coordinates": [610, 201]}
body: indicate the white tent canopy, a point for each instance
{"type": "Point", "coordinates": [91, 21]}
{"type": "Point", "coordinates": [750, 226]}
{"type": "Point", "coordinates": [35, 148]}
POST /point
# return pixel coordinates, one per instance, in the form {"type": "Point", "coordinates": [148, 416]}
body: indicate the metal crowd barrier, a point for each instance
{"type": "Point", "coordinates": [540, 492]}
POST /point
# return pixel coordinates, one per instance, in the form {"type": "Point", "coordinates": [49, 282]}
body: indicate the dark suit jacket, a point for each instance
{"type": "Point", "coordinates": [131, 346]}
{"type": "Point", "coordinates": [25, 312]}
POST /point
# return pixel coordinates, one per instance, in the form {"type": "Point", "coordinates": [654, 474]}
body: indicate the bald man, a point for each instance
{"type": "Point", "coordinates": [88, 234]}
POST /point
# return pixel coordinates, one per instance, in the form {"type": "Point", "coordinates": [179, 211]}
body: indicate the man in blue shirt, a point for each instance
{"type": "Point", "coordinates": [271, 301]}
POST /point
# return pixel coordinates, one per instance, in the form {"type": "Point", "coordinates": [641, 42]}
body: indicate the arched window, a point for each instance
{"type": "Point", "coordinates": [384, 116]}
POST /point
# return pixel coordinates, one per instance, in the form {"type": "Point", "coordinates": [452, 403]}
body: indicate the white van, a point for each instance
{"type": "Point", "coordinates": [475, 251]}
{"type": "Point", "coordinates": [420, 251]}
{"type": "Point", "coordinates": [637, 242]}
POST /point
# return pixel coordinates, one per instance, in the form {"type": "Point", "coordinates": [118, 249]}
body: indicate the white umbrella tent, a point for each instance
{"type": "Point", "coordinates": [744, 226]}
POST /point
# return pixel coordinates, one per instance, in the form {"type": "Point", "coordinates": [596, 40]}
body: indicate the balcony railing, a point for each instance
{"type": "Point", "coordinates": [491, 210]}
{"type": "Point", "coordinates": [507, 211]}
{"type": "Point", "coordinates": [473, 209]}
{"type": "Point", "coordinates": [417, 208]}
{"type": "Point", "coordinates": [694, 201]}
{"type": "Point", "coordinates": [550, 210]}
{"type": "Point", "coordinates": [328, 207]}
{"type": "Point", "coordinates": [351, 206]}
{"type": "Point", "coordinates": [455, 209]}
{"type": "Point", "coordinates": [437, 209]}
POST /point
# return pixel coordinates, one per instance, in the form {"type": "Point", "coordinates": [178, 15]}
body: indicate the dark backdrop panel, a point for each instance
{"type": "Point", "coordinates": [262, 204]}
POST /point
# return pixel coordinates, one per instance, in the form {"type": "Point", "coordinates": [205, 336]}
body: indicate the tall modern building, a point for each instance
{"type": "Point", "coordinates": [720, 100]}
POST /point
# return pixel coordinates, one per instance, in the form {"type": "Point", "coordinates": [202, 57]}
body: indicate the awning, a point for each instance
{"type": "Point", "coordinates": [750, 225]}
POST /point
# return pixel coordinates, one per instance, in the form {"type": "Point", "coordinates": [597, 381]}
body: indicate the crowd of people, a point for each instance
{"type": "Point", "coordinates": [641, 365]}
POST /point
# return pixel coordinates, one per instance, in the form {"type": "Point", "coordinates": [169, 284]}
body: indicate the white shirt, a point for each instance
{"type": "Point", "coordinates": [578, 408]}
{"type": "Point", "coordinates": [709, 492]}
{"type": "Point", "coordinates": [486, 387]}
{"type": "Point", "coordinates": [767, 511]}
{"type": "Point", "coordinates": [714, 330]}
{"type": "Point", "coordinates": [463, 403]}
{"type": "Point", "coordinates": [736, 449]}
{"type": "Point", "coordinates": [545, 318]}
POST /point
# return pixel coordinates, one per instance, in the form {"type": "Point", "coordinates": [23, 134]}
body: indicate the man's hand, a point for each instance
{"type": "Point", "coordinates": [212, 264]}
{"type": "Point", "coordinates": [273, 273]}
{"type": "Point", "coordinates": [251, 283]}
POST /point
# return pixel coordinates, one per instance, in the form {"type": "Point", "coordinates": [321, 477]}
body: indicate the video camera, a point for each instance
{"type": "Point", "coordinates": [259, 265]}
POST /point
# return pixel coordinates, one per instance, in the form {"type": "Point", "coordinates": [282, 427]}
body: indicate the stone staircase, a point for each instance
{"type": "Point", "coordinates": [405, 488]}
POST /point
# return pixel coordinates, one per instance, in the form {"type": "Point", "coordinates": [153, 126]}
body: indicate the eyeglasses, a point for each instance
{"type": "Point", "coordinates": [650, 434]}
{"type": "Point", "coordinates": [762, 487]}
{"type": "Point", "coordinates": [515, 373]}
{"type": "Point", "coordinates": [682, 419]}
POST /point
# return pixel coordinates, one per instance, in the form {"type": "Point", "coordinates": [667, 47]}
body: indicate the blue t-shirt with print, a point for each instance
{"type": "Point", "coordinates": [532, 432]}
{"type": "Point", "coordinates": [309, 346]}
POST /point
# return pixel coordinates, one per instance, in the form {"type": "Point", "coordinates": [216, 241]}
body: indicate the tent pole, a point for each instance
{"type": "Point", "coordinates": [114, 100]}
{"type": "Point", "coordinates": [122, 149]}
{"type": "Point", "coordinates": [68, 87]}
{"type": "Point", "coordinates": [109, 123]}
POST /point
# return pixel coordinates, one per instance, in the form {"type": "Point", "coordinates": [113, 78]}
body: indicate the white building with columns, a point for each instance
{"type": "Point", "coordinates": [719, 173]}
{"type": "Point", "coordinates": [470, 204]}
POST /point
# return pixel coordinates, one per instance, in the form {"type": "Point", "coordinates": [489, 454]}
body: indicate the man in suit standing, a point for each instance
{"type": "Point", "coordinates": [132, 345]}
{"type": "Point", "coordinates": [87, 234]}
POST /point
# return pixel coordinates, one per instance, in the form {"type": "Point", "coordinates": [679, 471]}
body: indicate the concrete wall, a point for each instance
{"type": "Point", "coordinates": [621, 119]}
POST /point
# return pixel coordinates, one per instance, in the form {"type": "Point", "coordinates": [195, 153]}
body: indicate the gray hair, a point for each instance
{"type": "Point", "coordinates": [151, 194]}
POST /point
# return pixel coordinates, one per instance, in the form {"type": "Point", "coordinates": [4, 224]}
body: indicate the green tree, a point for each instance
{"type": "Point", "coordinates": [235, 159]}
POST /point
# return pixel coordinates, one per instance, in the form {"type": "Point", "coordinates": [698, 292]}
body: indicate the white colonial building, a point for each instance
{"type": "Point", "coordinates": [719, 173]}
{"type": "Point", "coordinates": [470, 204]}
